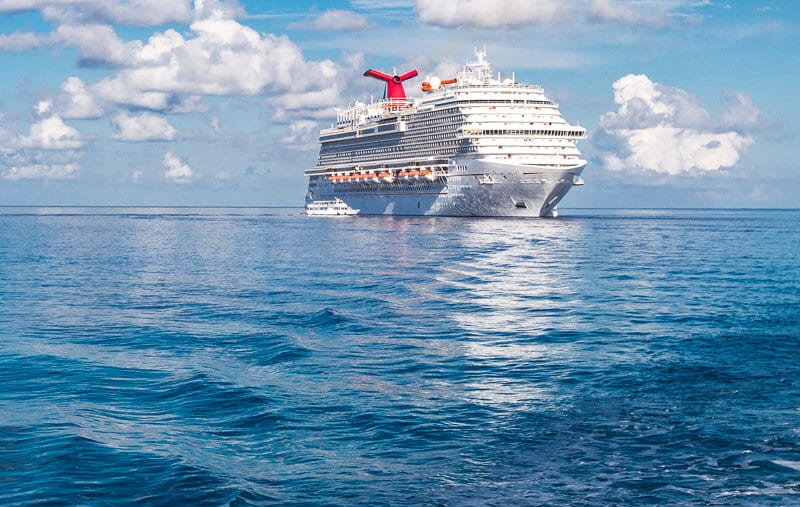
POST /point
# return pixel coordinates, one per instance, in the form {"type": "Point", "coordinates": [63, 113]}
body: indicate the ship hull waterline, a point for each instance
{"type": "Point", "coordinates": [481, 188]}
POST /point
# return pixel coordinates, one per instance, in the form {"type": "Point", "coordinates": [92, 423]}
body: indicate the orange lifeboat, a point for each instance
{"type": "Point", "coordinates": [413, 173]}
{"type": "Point", "coordinates": [427, 174]}
{"type": "Point", "coordinates": [386, 177]}
{"type": "Point", "coordinates": [403, 174]}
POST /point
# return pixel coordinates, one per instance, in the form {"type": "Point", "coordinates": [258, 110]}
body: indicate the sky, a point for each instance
{"type": "Point", "coordinates": [687, 103]}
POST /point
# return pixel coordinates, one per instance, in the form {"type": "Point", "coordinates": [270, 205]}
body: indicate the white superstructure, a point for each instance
{"type": "Point", "coordinates": [475, 145]}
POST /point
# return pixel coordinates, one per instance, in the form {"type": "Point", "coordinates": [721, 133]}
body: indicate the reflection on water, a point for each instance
{"type": "Point", "coordinates": [202, 356]}
{"type": "Point", "coordinates": [516, 272]}
{"type": "Point", "coordinates": [507, 288]}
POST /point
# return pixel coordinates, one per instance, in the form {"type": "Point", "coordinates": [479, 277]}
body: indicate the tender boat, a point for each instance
{"type": "Point", "coordinates": [336, 207]}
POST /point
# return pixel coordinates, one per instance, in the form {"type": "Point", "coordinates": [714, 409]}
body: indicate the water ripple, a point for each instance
{"type": "Point", "coordinates": [251, 357]}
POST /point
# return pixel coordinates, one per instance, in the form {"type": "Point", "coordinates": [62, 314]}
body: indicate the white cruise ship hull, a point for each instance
{"type": "Point", "coordinates": [480, 188]}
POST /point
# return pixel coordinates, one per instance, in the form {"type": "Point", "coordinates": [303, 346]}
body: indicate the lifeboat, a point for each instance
{"type": "Point", "coordinates": [386, 176]}
{"type": "Point", "coordinates": [403, 174]}
{"type": "Point", "coordinates": [427, 173]}
{"type": "Point", "coordinates": [413, 173]}
{"type": "Point", "coordinates": [374, 177]}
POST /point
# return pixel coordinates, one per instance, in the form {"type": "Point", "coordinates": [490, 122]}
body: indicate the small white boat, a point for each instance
{"type": "Point", "coordinates": [486, 179]}
{"type": "Point", "coordinates": [336, 207]}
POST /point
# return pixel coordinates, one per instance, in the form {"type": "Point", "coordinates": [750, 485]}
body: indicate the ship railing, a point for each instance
{"type": "Point", "coordinates": [473, 84]}
{"type": "Point", "coordinates": [361, 113]}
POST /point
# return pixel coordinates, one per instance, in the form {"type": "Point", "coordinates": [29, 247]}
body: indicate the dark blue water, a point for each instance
{"type": "Point", "coordinates": [256, 356]}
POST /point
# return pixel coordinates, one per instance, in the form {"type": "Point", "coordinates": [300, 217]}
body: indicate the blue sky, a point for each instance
{"type": "Point", "coordinates": [687, 103]}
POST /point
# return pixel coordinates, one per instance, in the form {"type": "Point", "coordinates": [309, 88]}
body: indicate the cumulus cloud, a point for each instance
{"type": "Point", "coordinates": [23, 41]}
{"type": "Point", "coordinates": [176, 171]}
{"type": "Point", "coordinates": [610, 11]}
{"type": "Point", "coordinates": [666, 130]}
{"type": "Point", "coordinates": [509, 13]}
{"type": "Point", "coordinates": [97, 44]}
{"type": "Point", "coordinates": [314, 104]}
{"type": "Point", "coordinates": [41, 172]}
{"type": "Point", "coordinates": [130, 12]}
{"type": "Point", "coordinates": [336, 20]}
{"type": "Point", "coordinates": [145, 127]}
{"type": "Point", "coordinates": [51, 133]}
{"type": "Point", "coordinates": [50, 149]}
{"type": "Point", "coordinates": [75, 101]}
{"type": "Point", "coordinates": [301, 136]}
{"type": "Point", "coordinates": [223, 58]}
{"type": "Point", "coordinates": [452, 13]}
{"type": "Point", "coordinates": [741, 114]}
{"type": "Point", "coordinates": [185, 105]}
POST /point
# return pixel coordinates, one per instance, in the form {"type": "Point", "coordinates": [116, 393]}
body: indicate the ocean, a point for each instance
{"type": "Point", "coordinates": [188, 356]}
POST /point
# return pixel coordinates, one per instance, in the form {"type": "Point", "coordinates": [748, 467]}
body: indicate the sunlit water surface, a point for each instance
{"type": "Point", "coordinates": [257, 356]}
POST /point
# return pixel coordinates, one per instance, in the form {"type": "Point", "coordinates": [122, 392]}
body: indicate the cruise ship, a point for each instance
{"type": "Point", "coordinates": [472, 145]}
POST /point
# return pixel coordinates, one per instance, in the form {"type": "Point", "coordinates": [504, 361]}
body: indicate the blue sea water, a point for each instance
{"type": "Point", "coordinates": [257, 356]}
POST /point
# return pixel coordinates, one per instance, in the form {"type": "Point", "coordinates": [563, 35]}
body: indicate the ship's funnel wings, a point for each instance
{"type": "Point", "coordinates": [408, 75]}
{"type": "Point", "coordinates": [394, 84]}
{"type": "Point", "coordinates": [377, 75]}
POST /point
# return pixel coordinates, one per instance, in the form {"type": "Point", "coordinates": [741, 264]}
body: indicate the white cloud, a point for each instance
{"type": "Point", "coordinates": [185, 105]}
{"type": "Point", "coordinates": [742, 114]}
{"type": "Point", "coordinates": [509, 13]}
{"type": "Point", "coordinates": [23, 41]}
{"type": "Point", "coordinates": [302, 136]}
{"type": "Point", "coordinates": [51, 134]}
{"type": "Point", "coordinates": [314, 104]}
{"type": "Point", "coordinates": [76, 101]}
{"type": "Point", "coordinates": [498, 13]}
{"type": "Point", "coordinates": [145, 127]}
{"type": "Point", "coordinates": [118, 92]}
{"type": "Point", "coordinates": [176, 171]}
{"type": "Point", "coordinates": [131, 12]}
{"type": "Point", "coordinates": [382, 4]}
{"type": "Point", "coordinates": [43, 107]}
{"type": "Point", "coordinates": [222, 58]}
{"type": "Point", "coordinates": [97, 43]}
{"type": "Point", "coordinates": [666, 130]}
{"type": "Point", "coordinates": [336, 20]}
{"type": "Point", "coordinates": [50, 150]}
{"type": "Point", "coordinates": [41, 171]}
{"type": "Point", "coordinates": [644, 103]}
{"type": "Point", "coordinates": [215, 125]}
{"type": "Point", "coordinates": [602, 11]}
